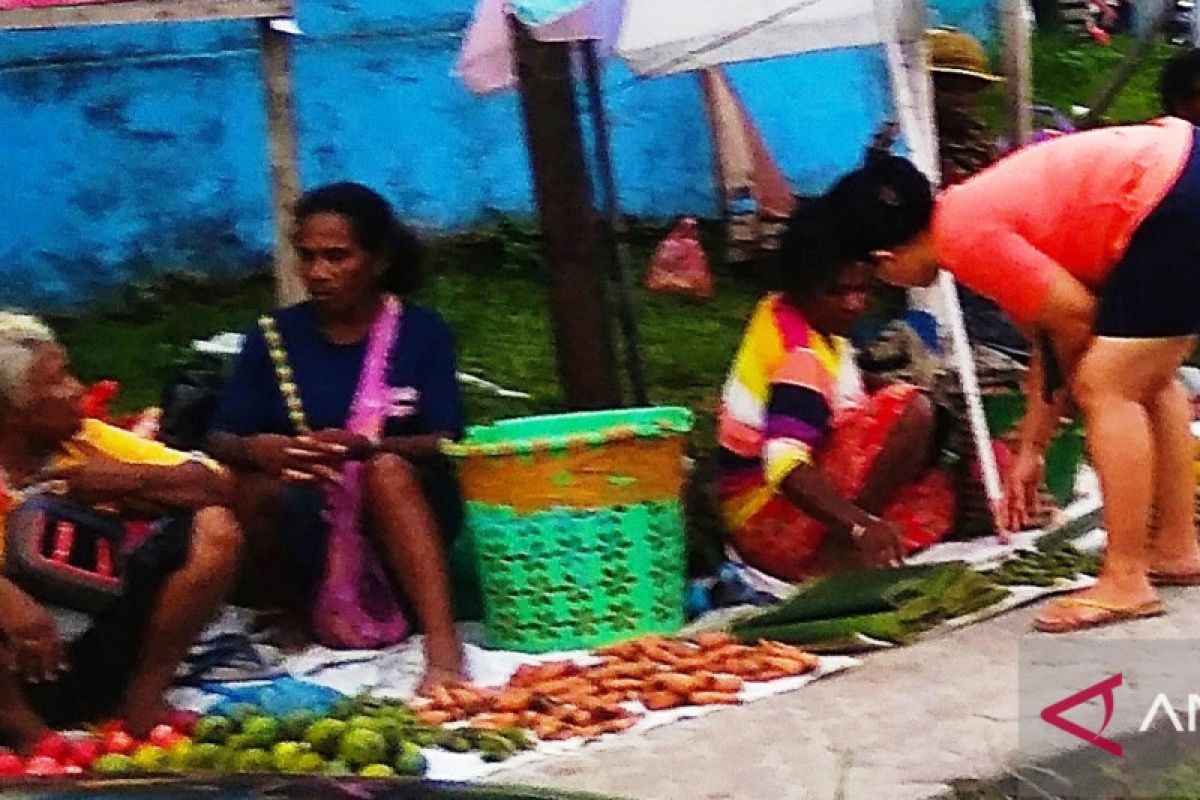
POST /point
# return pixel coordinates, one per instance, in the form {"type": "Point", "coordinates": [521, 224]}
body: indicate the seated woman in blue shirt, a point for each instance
{"type": "Point", "coordinates": [333, 417]}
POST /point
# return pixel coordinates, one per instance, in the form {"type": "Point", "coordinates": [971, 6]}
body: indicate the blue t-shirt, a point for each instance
{"type": "Point", "coordinates": [422, 361]}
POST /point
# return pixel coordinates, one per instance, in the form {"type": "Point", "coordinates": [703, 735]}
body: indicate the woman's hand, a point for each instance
{"type": "Point", "coordinates": [297, 459]}
{"type": "Point", "coordinates": [878, 543]}
{"type": "Point", "coordinates": [1021, 487]}
{"type": "Point", "coordinates": [33, 649]}
{"type": "Point", "coordinates": [357, 448]}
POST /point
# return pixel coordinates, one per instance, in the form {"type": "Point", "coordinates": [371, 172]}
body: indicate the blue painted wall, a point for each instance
{"type": "Point", "coordinates": [135, 149]}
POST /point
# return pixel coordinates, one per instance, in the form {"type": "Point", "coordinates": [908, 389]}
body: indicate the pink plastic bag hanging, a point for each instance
{"type": "Point", "coordinates": [679, 263]}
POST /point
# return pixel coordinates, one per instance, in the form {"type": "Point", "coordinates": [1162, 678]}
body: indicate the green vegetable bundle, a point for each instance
{"type": "Point", "coordinates": [1045, 568]}
{"type": "Point", "coordinates": [891, 605]}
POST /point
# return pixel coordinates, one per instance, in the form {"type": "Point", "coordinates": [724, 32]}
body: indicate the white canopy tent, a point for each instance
{"type": "Point", "coordinates": [658, 38]}
{"type": "Point", "coordinates": [665, 37]}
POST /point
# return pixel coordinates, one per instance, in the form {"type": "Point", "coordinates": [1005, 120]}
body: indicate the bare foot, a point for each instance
{"type": "Point", "coordinates": [285, 630]}
{"type": "Point", "coordinates": [1185, 561]}
{"type": "Point", "coordinates": [443, 662]}
{"type": "Point", "coordinates": [140, 716]}
{"type": "Point", "coordinates": [22, 735]}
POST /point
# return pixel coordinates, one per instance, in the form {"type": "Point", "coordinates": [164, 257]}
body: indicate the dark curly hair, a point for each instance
{"type": "Point", "coordinates": [376, 228]}
{"type": "Point", "coordinates": [883, 204]}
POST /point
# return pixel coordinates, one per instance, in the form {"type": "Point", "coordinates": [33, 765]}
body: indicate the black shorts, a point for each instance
{"type": "Point", "coordinates": [1154, 291]}
{"type": "Point", "coordinates": [102, 660]}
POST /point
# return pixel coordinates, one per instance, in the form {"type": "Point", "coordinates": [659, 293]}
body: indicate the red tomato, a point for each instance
{"type": "Point", "coordinates": [85, 751]}
{"type": "Point", "coordinates": [11, 764]}
{"type": "Point", "coordinates": [112, 726]}
{"type": "Point", "coordinates": [54, 746]}
{"type": "Point", "coordinates": [182, 721]}
{"type": "Point", "coordinates": [164, 736]}
{"type": "Point", "coordinates": [42, 767]}
{"type": "Point", "coordinates": [119, 742]}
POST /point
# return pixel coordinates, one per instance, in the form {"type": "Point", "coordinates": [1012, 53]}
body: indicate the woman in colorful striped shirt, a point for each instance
{"type": "Point", "coordinates": [821, 467]}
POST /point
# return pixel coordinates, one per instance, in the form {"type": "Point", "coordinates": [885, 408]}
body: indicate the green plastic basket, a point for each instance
{"type": "Point", "coordinates": [565, 575]}
{"type": "Point", "coordinates": [568, 579]}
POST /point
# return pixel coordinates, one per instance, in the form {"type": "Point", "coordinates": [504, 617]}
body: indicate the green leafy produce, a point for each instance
{"type": "Point", "coordinates": [884, 626]}
{"type": "Point", "coordinates": [890, 605]}
{"type": "Point", "coordinates": [854, 593]}
{"type": "Point", "coordinates": [1045, 567]}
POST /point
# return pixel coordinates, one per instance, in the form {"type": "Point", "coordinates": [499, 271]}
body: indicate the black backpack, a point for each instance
{"type": "Point", "coordinates": [190, 399]}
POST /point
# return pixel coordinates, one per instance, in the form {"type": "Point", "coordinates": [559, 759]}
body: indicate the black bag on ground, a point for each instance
{"type": "Point", "coordinates": [189, 401]}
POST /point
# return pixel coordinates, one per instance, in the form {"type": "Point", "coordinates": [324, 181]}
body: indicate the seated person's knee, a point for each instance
{"type": "Point", "coordinates": [216, 535]}
{"type": "Point", "coordinates": [392, 471]}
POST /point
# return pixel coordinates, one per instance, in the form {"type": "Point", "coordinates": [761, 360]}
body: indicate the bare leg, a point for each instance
{"type": "Point", "coordinates": [19, 725]}
{"type": "Point", "coordinates": [904, 459]}
{"type": "Point", "coordinates": [1118, 422]}
{"type": "Point", "coordinates": [188, 601]}
{"type": "Point", "coordinates": [262, 581]}
{"type": "Point", "coordinates": [1174, 550]}
{"type": "Point", "coordinates": [407, 532]}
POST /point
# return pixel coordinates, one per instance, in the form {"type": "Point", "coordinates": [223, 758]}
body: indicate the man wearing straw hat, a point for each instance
{"type": "Point", "coordinates": [960, 72]}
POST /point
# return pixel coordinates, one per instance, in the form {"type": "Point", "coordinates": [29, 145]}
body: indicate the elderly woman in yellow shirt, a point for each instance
{"type": "Point", "coordinates": [174, 581]}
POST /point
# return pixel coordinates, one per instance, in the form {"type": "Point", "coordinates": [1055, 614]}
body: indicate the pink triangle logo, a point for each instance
{"type": "Point", "coordinates": [1053, 714]}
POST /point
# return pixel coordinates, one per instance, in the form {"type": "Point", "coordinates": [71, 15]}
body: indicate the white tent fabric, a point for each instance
{"type": "Point", "coordinates": [661, 37]}
{"type": "Point", "coordinates": [664, 37]}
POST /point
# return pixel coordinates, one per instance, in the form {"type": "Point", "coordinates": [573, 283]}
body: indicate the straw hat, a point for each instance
{"type": "Point", "coordinates": [954, 52]}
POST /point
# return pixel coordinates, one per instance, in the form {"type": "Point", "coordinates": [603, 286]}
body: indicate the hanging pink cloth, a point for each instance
{"type": "Point", "coordinates": [356, 607]}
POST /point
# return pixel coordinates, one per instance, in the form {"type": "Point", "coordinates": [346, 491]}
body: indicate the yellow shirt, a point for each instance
{"type": "Point", "coordinates": [128, 448]}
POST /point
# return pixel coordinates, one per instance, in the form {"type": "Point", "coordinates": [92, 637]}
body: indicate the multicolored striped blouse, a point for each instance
{"type": "Point", "coordinates": [787, 384]}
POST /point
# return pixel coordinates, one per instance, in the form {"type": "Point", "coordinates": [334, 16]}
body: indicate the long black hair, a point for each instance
{"type": "Point", "coordinates": [375, 227]}
{"type": "Point", "coordinates": [879, 206]}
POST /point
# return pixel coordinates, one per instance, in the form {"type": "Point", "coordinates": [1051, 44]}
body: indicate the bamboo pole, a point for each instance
{"type": "Point", "coordinates": [1018, 70]}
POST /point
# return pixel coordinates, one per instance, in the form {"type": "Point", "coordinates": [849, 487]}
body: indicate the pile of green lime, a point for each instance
{"type": "Point", "coordinates": [363, 736]}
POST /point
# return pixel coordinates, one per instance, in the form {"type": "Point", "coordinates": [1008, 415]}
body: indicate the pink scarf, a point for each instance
{"type": "Point", "coordinates": [356, 607]}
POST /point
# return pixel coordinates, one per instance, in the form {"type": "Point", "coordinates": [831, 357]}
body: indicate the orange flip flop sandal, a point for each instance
{"type": "Point", "coordinates": [1097, 614]}
{"type": "Point", "coordinates": [1175, 579]}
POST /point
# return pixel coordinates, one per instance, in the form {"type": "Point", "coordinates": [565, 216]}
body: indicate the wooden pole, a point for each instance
{"type": "Point", "coordinates": [284, 161]}
{"type": "Point", "coordinates": [578, 310]}
{"type": "Point", "coordinates": [618, 250]}
{"type": "Point", "coordinates": [1018, 69]}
